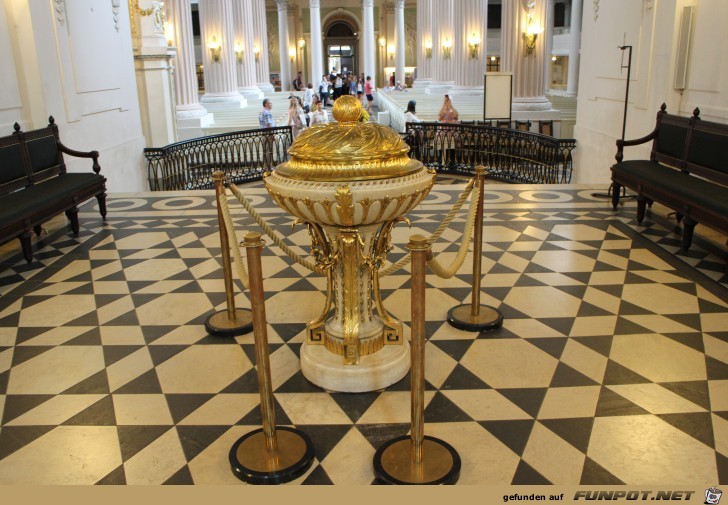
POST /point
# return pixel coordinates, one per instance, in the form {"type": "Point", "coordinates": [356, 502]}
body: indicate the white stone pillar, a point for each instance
{"type": "Point", "coordinates": [470, 55]}
{"type": "Point", "coordinates": [283, 44]}
{"type": "Point", "coordinates": [443, 33]}
{"type": "Point", "coordinates": [424, 43]}
{"type": "Point", "coordinates": [317, 44]}
{"type": "Point", "coordinates": [191, 116]}
{"type": "Point", "coordinates": [216, 29]}
{"type": "Point", "coordinates": [260, 47]}
{"type": "Point", "coordinates": [399, 41]}
{"type": "Point", "coordinates": [244, 58]}
{"type": "Point", "coordinates": [370, 68]}
{"type": "Point", "coordinates": [549, 42]}
{"type": "Point", "coordinates": [572, 82]}
{"type": "Point", "coordinates": [527, 69]}
{"type": "Point", "coordinates": [155, 87]}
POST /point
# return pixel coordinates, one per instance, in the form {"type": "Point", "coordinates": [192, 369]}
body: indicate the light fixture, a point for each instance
{"type": "Point", "coordinates": [292, 54]}
{"type": "Point", "coordinates": [214, 48]}
{"type": "Point", "coordinates": [382, 42]}
{"type": "Point", "coordinates": [390, 52]}
{"type": "Point", "coordinates": [168, 34]}
{"type": "Point", "coordinates": [473, 44]}
{"type": "Point", "coordinates": [256, 52]}
{"type": "Point", "coordinates": [446, 47]}
{"type": "Point", "coordinates": [553, 58]}
{"type": "Point", "coordinates": [492, 59]}
{"type": "Point", "coordinates": [301, 42]}
{"type": "Point", "coordinates": [428, 48]}
{"type": "Point", "coordinates": [239, 52]}
{"type": "Point", "coordinates": [531, 34]}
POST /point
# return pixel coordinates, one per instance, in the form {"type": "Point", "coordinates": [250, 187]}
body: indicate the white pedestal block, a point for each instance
{"type": "Point", "coordinates": [239, 103]}
{"type": "Point", "coordinates": [251, 94]}
{"type": "Point", "coordinates": [439, 88]}
{"type": "Point", "coordinates": [374, 371]}
{"type": "Point", "coordinates": [193, 127]}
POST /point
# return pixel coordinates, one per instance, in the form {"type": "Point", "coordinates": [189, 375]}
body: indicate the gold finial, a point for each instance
{"type": "Point", "coordinates": [347, 109]}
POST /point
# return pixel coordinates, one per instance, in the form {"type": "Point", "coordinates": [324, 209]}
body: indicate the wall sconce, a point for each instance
{"type": "Point", "coordinates": [553, 58]}
{"type": "Point", "coordinates": [446, 47]}
{"type": "Point", "coordinates": [428, 49]}
{"type": "Point", "coordinates": [530, 35]}
{"type": "Point", "coordinates": [169, 34]}
{"type": "Point", "coordinates": [390, 52]}
{"type": "Point", "coordinates": [382, 42]}
{"type": "Point", "coordinates": [292, 54]}
{"type": "Point", "coordinates": [301, 42]}
{"type": "Point", "coordinates": [239, 52]}
{"type": "Point", "coordinates": [214, 48]}
{"type": "Point", "coordinates": [473, 44]}
{"type": "Point", "coordinates": [256, 52]}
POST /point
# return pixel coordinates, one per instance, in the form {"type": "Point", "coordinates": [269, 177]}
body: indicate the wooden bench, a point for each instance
{"type": "Point", "coordinates": [35, 187]}
{"type": "Point", "coordinates": [687, 172]}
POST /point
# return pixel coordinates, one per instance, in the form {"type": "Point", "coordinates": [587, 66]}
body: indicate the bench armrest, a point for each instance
{"type": "Point", "coordinates": [94, 155]}
{"type": "Point", "coordinates": [621, 144]}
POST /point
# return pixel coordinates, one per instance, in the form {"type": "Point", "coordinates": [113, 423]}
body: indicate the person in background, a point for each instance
{"type": "Point", "coordinates": [298, 82]}
{"type": "Point", "coordinates": [352, 84]}
{"type": "Point", "coordinates": [338, 86]}
{"type": "Point", "coordinates": [265, 120]}
{"type": "Point", "coordinates": [369, 92]}
{"type": "Point", "coordinates": [360, 90]}
{"type": "Point", "coordinates": [308, 95]}
{"type": "Point", "coordinates": [324, 89]}
{"type": "Point", "coordinates": [319, 115]}
{"type": "Point", "coordinates": [296, 118]}
{"type": "Point", "coordinates": [448, 113]}
{"type": "Point", "coordinates": [409, 115]}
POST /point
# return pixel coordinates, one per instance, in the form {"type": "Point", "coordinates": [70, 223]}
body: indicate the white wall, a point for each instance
{"type": "Point", "coordinates": [651, 27]}
{"type": "Point", "coordinates": [73, 60]}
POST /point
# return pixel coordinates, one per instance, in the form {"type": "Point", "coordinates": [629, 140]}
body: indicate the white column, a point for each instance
{"type": "Point", "coordinates": [549, 42]}
{"type": "Point", "coordinates": [470, 54]}
{"type": "Point", "coordinates": [317, 43]}
{"type": "Point", "coordinates": [442, 32]}
{"type": "Point", "coordinates": [283, 44]}
{"type": "Point", "coordinates": [527, 69]}
{"type": "Point", "coordinates": [424, 40]}
{"type": "Point", "coordinates": [216, 28]}
{"type": "Point", "coordinates": [155, 85]}
{"type": "Point", "coordinates": [245, 61]}
{"type": "Point", "coordinates": [191, 116]}
{"type": "Point", "coordinates": [399, 41]}
{"type": "Point", "coordinates": [260, 47]}
{"type": "Point", "coordinates": [370, 67]}
{"type": "Point", "coordinates": [572, 83]}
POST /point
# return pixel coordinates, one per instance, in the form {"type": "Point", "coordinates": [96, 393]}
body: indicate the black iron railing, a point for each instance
{"type": "Point", "coordinates": [508, 155]}
{"type": "Point", "coordinates": [243, 156]}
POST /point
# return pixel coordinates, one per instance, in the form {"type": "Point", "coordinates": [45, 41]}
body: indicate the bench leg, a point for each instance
{"type": "Point", "coordinates": [38, 230]}
{"type": "Point", "coordinates": [72, 215]}
{"type": "Point", "coordinates": [641, 205]}
{"type": "Point", "coordinates": [616, 188]}
{"type": "Point", "coordinates": [102, 205]}
{"type": "Point", "coordinates": [687, 234]}
{"type": "Point", "coordinates": [26, 245]}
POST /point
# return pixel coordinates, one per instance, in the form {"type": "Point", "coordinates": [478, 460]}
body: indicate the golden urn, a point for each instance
{"type": "Point", "coordinates": [350, 182]}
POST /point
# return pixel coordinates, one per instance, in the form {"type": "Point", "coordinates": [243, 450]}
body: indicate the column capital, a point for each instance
{"type": "Point", "coordinates": [399, 4]}
{"type": "Point", "coordinates": [282, 5]}
{"type": "Point", "coordinates": [389, 6]}
{"type": "Point", "coordinates": [367, 4]}
{"type": "Point", "coordinates": [314, 4]}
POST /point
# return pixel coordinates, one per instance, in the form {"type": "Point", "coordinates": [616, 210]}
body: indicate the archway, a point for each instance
{"type": "Point", "coordinates": [341, 44]}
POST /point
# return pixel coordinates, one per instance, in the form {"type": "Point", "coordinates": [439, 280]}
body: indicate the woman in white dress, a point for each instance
{"type": "Point", "coordinates": [296, 117]}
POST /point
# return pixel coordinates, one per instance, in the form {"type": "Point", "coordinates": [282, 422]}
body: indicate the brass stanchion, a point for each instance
{"type": "Point", "coordinates": [474, 316]}
{"type": "Point", "coordinates": [231, 321]}
{"type": "Point", "coordinates": [417, 458]}
{"type": "Point", "coordinates": [267, 455]}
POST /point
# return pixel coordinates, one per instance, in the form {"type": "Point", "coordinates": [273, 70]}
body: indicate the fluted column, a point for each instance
{"type": "Point", "coordinates": [317, 44]}
{"type": "Point", "coordinates": [185, 75]}
{"type": "Point", "coordinates": [443, 31]}
{"type": "Point", "coordinates": [424, 40]}
{"type": "Point", "coordinates": [572, 83]}
{"type": "Point", "coordinates": [245, 62]}
{"type": "Point", "coordinates": [548, 44]}
{"type": "Point", "coordinates": [283, 44]}
{"type": "Point", "coordinates": [368, 43]}
{"type": "Point", "coordinates": [260, 47]}
{"type": "Point", "coordinates": [216, 28]}
{"type": "Point", "coordinates": [527, 69]}
{"type": "Point", "coordinates": [399, 41]}
{"type": "Point", "coordinates": [471, 20]}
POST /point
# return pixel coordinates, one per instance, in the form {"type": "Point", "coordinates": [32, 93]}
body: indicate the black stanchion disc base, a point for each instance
{"type": "Point", "coordinates": [219, 324]}
{"type": "Point", "coordinates": [252, 463]}
{"type": "Point", "coordinates": [440, 462]}
{"type": "Point", "coordinates": [462, 318]}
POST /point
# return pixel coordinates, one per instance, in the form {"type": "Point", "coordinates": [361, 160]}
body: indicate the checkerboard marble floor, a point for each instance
{"type": "Point", "coordinates": [611, 366]}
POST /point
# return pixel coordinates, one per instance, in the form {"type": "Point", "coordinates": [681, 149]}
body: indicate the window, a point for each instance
{"type": "Point", "coordinates": [494, 16]}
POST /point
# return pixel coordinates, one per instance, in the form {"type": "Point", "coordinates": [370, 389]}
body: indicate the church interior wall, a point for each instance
{"type": "Point", "coordinates": [652, 28]}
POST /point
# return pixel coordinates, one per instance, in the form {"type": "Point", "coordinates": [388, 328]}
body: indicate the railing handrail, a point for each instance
{"type": "Point", "coordinates": [211, 138]}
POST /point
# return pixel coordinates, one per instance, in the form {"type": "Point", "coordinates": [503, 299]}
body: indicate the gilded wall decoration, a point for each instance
{"type": "Point", "coordinates": [595, 8]}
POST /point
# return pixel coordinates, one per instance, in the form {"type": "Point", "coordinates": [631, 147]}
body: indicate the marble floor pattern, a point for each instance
{"type": "Point", "coordinates": [611, 366]}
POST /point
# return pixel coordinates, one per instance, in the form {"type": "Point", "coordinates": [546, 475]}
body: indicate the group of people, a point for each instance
{"type": "Point", "coordinates": [335, 85]}
{"type": "Point", "coordinates": [447, 114]}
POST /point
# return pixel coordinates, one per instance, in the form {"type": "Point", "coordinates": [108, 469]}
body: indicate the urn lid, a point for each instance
{"type": "Point", "coordinates": [348, 149]}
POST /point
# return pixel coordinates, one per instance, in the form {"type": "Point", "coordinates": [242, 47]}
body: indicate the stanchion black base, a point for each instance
{"type": "Point", "coordinates": [393, 462]}
{"type": "Point", "coordinates": [253, 463]}
{"type": "Point", "coordinates": [462, 318]}
{"type": "Point", "coordinates": [219, 324]}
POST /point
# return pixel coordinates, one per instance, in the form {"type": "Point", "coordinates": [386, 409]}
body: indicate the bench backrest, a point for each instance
{"type": "Point", "coordinates": [692, 145]}
{"type": "Point", "coordinates": [29, 157]}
